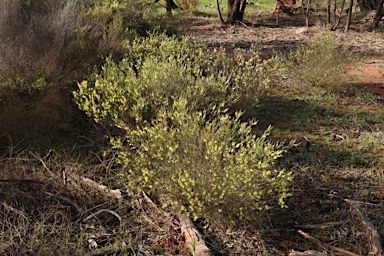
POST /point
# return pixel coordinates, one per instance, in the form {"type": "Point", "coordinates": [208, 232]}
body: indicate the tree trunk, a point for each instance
{"type": "Point", "coordinates": [328, 11]}
{"type": "Point", "coordinates": [334, 10]}
{"type": "Point", "coordinates": [168, 7]}
{"type": "Point", "coordinates": [339, 18]}
{"type": "Point", "coordinates": [307, 13]}
{"type": "Point", "coordinates": [349, 18]}
{"type": "Point", "coordinates": [363, 6]}
{"type": "Point", "coordinates": [378, 15]}
{"type": "Point", "coordinates": [235, 10]}
{"type": "Point", "coordinates": [219, 12]}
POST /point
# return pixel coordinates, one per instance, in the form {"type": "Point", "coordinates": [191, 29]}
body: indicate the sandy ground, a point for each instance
{"type": "Point", "coordinates": [262, 31]}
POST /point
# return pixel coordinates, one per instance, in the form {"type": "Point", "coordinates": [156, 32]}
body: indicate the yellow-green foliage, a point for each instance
{"type": "Point", "coordinates": [320, 64]}
{"type": "Point", "coordinates": [168, 99]}
{"type": "Point", "coordinates": [30, 87]}
{"type": "Point", "coordinates": [208, 166]}
{"type": "Point", "coordinates": [123, 17]}
{"type": "Point", "coordinates": [158, 69]}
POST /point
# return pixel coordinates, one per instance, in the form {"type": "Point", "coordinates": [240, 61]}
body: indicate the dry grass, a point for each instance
{"type": "Point", "coordinates": [41, 214]}
{"type": "Point", "coordinates": [34, 32]}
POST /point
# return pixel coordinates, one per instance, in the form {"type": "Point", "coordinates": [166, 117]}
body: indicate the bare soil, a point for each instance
{"type": "Point", "coordinates": [261, 30]}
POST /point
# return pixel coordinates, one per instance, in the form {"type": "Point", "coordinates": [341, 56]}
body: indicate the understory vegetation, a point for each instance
{"type": "Point", "coordinates": [113, 123]}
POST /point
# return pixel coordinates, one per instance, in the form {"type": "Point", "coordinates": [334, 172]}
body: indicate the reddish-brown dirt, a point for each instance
{"type": "Point", "coordinates": [371, 76]}
{"type": "Point", "coordinates": [261, 31]}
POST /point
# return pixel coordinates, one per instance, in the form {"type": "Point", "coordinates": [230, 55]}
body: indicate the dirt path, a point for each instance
{"type": "Point", "coordinates": [262, 32]}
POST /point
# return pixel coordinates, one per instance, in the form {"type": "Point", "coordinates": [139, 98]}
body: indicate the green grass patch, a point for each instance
{"type": "Point", "coordinates": [207, 8]}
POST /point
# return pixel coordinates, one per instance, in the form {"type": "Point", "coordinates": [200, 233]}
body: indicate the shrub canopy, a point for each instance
{"type": "Point", "coordinates": [179, 137]}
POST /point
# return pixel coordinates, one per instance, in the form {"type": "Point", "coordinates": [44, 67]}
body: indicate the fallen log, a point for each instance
{"type": "Point", "coordinates": [69, 175]}
{"type": "Point", "coordinates": [193, 239]}
{"type": "Point", "coordinates": [307, 253]}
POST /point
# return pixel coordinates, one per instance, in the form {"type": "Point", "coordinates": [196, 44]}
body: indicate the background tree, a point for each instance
{"type": "Point", "coordinates": [236, 10]}
{"type": "Point", "coordinates": [367, 5]}
{"type": "Point", "coordinates": [378, 15]}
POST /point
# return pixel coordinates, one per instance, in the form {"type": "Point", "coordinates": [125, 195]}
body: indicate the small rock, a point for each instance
{"type": "Point", "coordinates": [302, 30]}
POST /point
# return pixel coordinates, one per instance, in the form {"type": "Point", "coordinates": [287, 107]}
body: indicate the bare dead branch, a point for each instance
{"type": "Point", "coordinates": [324, 245]}
{"type": "Point", "coordinates": [42, 162]}
{"type": "Point", "coordinates": [114, 193]}
{"type": "Point", "coordinates": [321, 226]}
{"type": "Point", "coordinates": [307, 253]}
{"type": "Point", "coordinates": [193, 239]}
{"type": "Point", "coordinates": [106, 252]}
{"type": "Point", "coordinates": [22, 181]}
{"type": "Point", "coordinates": [150, 202]}
{"type": "Point", "coordinates": [101, 211]}
{"type": "Point", "coordinates": [67, 200]}
{"type": "Point", "coordinates": [10, 208]}
{"type": "Point", "coordinates": [374, 241]}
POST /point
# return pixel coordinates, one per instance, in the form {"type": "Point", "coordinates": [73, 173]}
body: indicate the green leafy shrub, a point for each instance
{"type": "Point", "coordinates": [207, 166]}
{"type": "Point", "coordinates": [158, 69]}
{"type": "Point", "coordinates": [114, 20]}
{"type": "Point", "coordinates": [320, 64]}
{"type": "Point", "coordinates": [168, 99]}
{"type": "Point", "coordinates": [27, 87]}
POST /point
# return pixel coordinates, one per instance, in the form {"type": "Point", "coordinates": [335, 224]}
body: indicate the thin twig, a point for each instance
{"type": "Point", "coordinates": [42, 162]}
{"type": "Point", "coordinates": [10, 208]}
{"type": "Point", "coordinates": [321, 226]}
{"type": "Point", "coordinates": [324, 245]}
{"type": "Point", "coordinates": [149, 201]}
{"type": "Point", "coordinates": [374, 241]}
{"type": "Point", "coordinates": [66, 199]}
{"type": "Point", "coordinates": [106, 252]}
{"type": "Point", "coordinates": [101, 211]}
{"type": "Point", "coordinates": [23, 181]}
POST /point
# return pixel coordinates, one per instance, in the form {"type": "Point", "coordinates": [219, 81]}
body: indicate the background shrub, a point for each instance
{"type": "Point", "coordinates": [35, 32]}
{"type": "Point", "coordinates": [47, 45]}
{"type": "Point", "coordinates": [189, 5]}
{"type": "Point", "coordinates": [320, 64]}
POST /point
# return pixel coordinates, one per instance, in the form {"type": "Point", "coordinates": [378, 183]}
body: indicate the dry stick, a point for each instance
{"type": "Point", "coordinates": [374, 243]}
{"type": "Point", "coordinates": [42, 162]}
{"type": "Point", "coordinates": [149, 201]}
{"type": "Point", "coordinates": [101, 211]}
{"type": "Point", "coordinates": [115, 193]}
{"type": "Point", "coordinates": [307, 13]}
{"type": "Point", "coordinates": [324, 245]}
{"type": "Point", "coordinates": [193, 239]}
{"type": "Point", "coordinates": [107, 252]}
{"type": "Point", "coordinates": [307, 253]}
{"type": "Point", "coordinates": [321, 226]}
{"type": "Point", "coordinates": [66, 199]}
